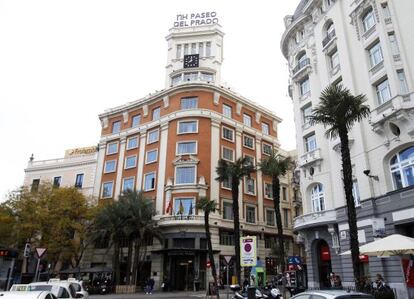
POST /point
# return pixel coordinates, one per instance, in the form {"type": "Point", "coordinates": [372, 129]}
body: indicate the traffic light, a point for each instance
{"type": "Point", "coordinates": [27, 249]}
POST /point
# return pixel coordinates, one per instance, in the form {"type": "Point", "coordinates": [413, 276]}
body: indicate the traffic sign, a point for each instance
{"type": "Point", "coordinates": [227, 258]}
{"type": "Point", "coordinates": [40, 252]}
{"type": "Point", "coordinates": [248, 251]}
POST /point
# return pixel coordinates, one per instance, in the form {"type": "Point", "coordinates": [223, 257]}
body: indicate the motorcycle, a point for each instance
{"type": "Point", "coordinates": [242, 293]}
{"type": "Point", "coordinates": [273, 292]}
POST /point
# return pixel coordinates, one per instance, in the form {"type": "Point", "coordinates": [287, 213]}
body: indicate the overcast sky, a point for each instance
{"type": "Point", "coordinates": [64, 62]}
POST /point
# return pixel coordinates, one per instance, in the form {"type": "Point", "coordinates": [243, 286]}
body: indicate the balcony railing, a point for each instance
{"type": "Point", "coordinates": [181, 219]}
{"type": "Point", "coordinates": [305, 62]}
{"type": "Point", "coordinates": [328, 38]}
{"type": "Point", "coordinates": [310, 157]}
{"type": "Point", "coordinates": [315, 219]}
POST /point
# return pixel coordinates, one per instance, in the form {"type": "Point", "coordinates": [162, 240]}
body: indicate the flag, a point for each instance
{"type": "Point", "coordinates": [169, 207]}
{"type": "Point", "coordinates": [181, 208]}
{"type": "Point", "coordinates": [190, 210]}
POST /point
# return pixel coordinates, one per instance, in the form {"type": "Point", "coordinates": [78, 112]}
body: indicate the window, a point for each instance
{"type": "Point", "coordinates": [193, 48]}
{"type": "Point", "coordinates": [270, 217]}
{"type": "Point", "coordinates": [249, 186]}
{"type": "Point", "coordinates": [249, 160]}
{"type": "Point", "coordinates": [395, 50]}
{"type": "Point", "coordinates": [268, 190]}
{"type": "Point", "coordinates": [310, 142]}
{"type": "Point", "coordinates": [248, 141]}
{"type": "Point", "coordinates": [383, 92]}
{"type": "Point", "coordinates": [184, 206]}
{"type": "Point", "coordinates": [355, 193]}
{"type": "Point", "coordinates": [247, 120]}
{"type": "Point", "coordinates": [402, 168]}
{"type": "Point", "coordinates": [130, 162]}
{"type": "Point", "coordinates": [107, 189]}
{"type": "Point", "coordinates": [128, 184]}
{"type": "Point", "coordinates": [386, 10]}
{"type": "Point", "coordinates": [185, 49]}
{"type": "Point", "coordinates": [226, 238]}
{"type": "Point", "coordinates": [149, 181]}
{"type": "Point", "coordinates": [35, 185]}
{"type": "Point", "coordinates": [79, 180]}
{"type": "Point", "coordinates": [267, 149]}
{"type": "Point", "coordinates": [375, 54]}
{"type": "Point", "coordinates": [227, 154]}
{"type": "Point", "coordinates": [368, 20]}
{"type": "Point", "coordinates": [186, 127]}
{"type": "Point", "coordinates": [153, 136]}
{"type": "Point", "coordinates": [187, 148]}
{"type": "Point", "coordinates": [330, 30]}
{"type": "Point", "coordinates": [208, 77]}
{"type": "Point", "coordinates": [56, 181]}
{"type": "Point", "coordinates": [112, 148]}
{"type": "Point", "coordinates": [301, 59]}
{"type": "Point", "coordinates": [265, 128]}
{"type": "Point", "coordinates": [226, 184]}
{"type": "Point", "coordinates": [403, 81]}
{"type": "Point", "coordinates": [208, 49]}
{"type": "Point", "coordinates": [318, 198]}
{"type": "Point", "coordinates": [304, 87]}
{"type": "Point", "coordinates": [136, 120]}
{"type": "Point", "coordinates": [228, 134]}
{"type": "Point", "coordinates": [176, 79]}
{"type": "Point", "coordinates": [156, 113]}
{"type": "Point", "coordinates": [116, 127]}
{"type": "Point", "coordinates": [227, 210]}
{"type": "Point", "coordinates": [185, 175]}
{"type": "Point", "coordinates": [284, 193]}
{"type": "Point", "coordinates": [190, 76]}
{"type": "Point", "coordinates": [201, 49]}
{"type": "Point", "coordinates": [306, 112]}
{"type": "Point", "coordinates": [110, 166]}
{"type": "Point", "coordinates": [132, 143]}
{"type": "Point", "coordinates": [334, 59]}
{"type": "Point", "coordinates": [286, 217]}
{"type": "Point", "coordinates": [178, 52]}
{"type": "Point", "coordinates": [189, 103]}
{"type": "Point", "coordinates": [227, 111]}
{"type": "Point", "coordinates": [250, 214]}
{"type": "Point", "coordinates": [151, 156]}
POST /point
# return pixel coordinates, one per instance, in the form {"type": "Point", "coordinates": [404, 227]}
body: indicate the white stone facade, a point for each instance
{"type": "Point", "coordinates": [367, 46]}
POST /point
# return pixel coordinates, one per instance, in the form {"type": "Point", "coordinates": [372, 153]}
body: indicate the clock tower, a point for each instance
{"type": "Point", "coordinates": [195, 52]}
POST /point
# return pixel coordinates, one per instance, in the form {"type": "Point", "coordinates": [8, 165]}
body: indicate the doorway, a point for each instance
{"type": "Point", "coordinates": [182, 273]}
{"type": "Point", "coordinates": [324, 263]}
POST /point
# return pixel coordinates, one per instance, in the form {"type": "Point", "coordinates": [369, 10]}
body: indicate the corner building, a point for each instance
{"type": "Point", "coordinates": [168, 145]}
{"type": "Point", "coordinates": [366, 46]}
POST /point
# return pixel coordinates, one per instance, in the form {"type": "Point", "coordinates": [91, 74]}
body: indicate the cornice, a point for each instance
{"type": "Point", "coordinates": [59, 165]}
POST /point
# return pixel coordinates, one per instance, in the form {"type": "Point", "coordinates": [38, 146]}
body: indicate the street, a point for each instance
{"type": "Point", "coordinates": [155, 295]}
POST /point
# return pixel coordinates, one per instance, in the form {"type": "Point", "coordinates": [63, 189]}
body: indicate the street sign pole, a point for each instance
{"type": "Point", "coordinates": [37, 269]}
{"type": "Point", "coordinates": [40, 252]}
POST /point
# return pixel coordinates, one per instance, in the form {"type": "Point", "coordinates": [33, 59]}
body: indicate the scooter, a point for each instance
{"type": "Point", "coordinates": [242, 294]}
{"type": "Point", "coordinates": [273, 293]}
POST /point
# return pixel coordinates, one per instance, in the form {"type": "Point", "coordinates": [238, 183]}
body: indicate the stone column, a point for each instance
{"type": "Point", "coordinates": [120, 168]}
{"type": "Point", "coordinates": [141, 158]}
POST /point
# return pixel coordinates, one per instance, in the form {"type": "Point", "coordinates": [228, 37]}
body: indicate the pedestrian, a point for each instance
{"type": "Point", "coordinates": [331, 278]}
{"type": "Point", "coordinates": [379, 282]}
{"type": "Point", "coordinates": [337, 281]}
{"type": "Point", "coordinates": [151, 283]}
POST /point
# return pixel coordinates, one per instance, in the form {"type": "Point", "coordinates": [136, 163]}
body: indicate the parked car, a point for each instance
{"type": "Point", "coordinates": [27, 295]}
{"type": "Point", "coordinates": [332, 294]}
{"type": "Point", "coordinates": [80, 287]}
{"type": "Point", "coordinates": [61, 289]}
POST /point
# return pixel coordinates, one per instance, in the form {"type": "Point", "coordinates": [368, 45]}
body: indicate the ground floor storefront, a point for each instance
{"type": "Point", "coordinates": [326, 237]}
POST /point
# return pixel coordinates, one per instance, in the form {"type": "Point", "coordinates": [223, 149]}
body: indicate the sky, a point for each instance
{"type": "Point", "coordinates": [62, 62]}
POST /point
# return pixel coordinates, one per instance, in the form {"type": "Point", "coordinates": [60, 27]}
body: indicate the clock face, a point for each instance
{"type": "Point", "coordinates": [191, 60]}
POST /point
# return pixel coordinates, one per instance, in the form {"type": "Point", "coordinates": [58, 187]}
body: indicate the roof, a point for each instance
{"type": "Point", "coordinates": [337, 293]}
{"type": "Point", "coordinates": [22, 294]}
{"type": "Point", "coordinates": [299, 8]}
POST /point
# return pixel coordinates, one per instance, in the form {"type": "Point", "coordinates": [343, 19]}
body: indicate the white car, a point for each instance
{"type": "Point", "coordinates": [79, 287]}
{"type": "Point", "coordinates": [331, 294]}
{"type": "Point", "coordinates": [61, 289]}
{"type": "Point", "coordinates": [27, 295]}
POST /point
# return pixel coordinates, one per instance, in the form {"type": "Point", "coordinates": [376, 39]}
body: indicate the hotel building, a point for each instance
{"type": "Point", "coordinates": [367, 46]}
{"type": "Point", "coordinates": [168, 143]}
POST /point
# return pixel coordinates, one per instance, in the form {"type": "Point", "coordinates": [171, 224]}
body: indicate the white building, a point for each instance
{"type": "Point", "coordinates": [76, 169]}
{"type": "Point", "coordinates": [367, 46]}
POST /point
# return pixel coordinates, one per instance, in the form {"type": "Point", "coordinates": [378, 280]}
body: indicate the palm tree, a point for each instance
{"type": "Point", "coordinates": [209, 206]}
{"type": "Point", "coordinates": [339, 110]}
{"type": "Point", "coordinates": [276, 166]}
{"type": "Point", "coordinates": [140, 226]}
{"type": "Point", "coordinates": [234, 172]}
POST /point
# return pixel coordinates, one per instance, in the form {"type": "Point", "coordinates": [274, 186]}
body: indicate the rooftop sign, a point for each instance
{"type": "Point", "coordinates": [196, 19]}
{"type": "Point", "coordinates": [80, 151]}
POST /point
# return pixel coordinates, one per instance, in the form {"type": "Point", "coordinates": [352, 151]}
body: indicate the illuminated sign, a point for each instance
{"type": "Point", "coordinates": [8, 253]}
{"type": "Point", "coordinates": [196, 19]}
{"type": "Point", "coordinates": [248, 251]}
{"type": "Point", "coordinates": [80, 151]}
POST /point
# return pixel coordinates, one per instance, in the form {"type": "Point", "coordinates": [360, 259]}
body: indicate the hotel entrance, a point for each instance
{"type": "Point", "coordinates": [324, 263]}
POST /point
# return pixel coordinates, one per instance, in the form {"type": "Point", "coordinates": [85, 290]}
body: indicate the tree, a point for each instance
{"type": "Point", "coordinates": [276, 166]}
{"type": "Point", "coordinates": [234, 172]}
{"type": "Point", "coordinates": [209, 206]}
{"type": "Point", "coordinates": [339, 110]}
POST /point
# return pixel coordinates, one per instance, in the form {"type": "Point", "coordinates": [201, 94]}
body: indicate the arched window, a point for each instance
{"type": "Point", "coordinates": [301, 57]}
{"type": "Point", "coordinates": [330, 29]}
{"type": "Point", "coordinates": [368, 20]}
{"type": "Point", "coordinates": [318, 198]}
{"type": "Point", "coordinates": [402, 168]}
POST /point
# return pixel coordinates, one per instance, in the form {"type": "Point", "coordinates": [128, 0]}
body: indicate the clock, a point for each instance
{"type": "Point", "coordinates": [191, 60]}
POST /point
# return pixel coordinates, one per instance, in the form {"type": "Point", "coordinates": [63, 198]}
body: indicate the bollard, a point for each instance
{"type": "Point", "coordinates": [251, 293]}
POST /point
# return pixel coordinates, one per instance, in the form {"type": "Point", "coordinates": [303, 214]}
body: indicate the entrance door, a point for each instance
{"type": "Point", "coordinates": [324, 263]}
{"type": "Point", "coordinates": [182, 273]}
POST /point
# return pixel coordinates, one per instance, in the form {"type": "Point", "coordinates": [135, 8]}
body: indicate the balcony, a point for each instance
{"type": "Point", "coordinates": [300, 68]}
{"type": "Point", "coordinates": [310, 157]}
{"type": "Point", "coordinates": [181, 220]}
{"type": "Point", "coordinates": [369, 32]}
{"type": "Point", "coordinates": [376, 68]}
{"type": "Point", "coordinates": [398, 109]}
{"type": "Point", "coordinates": [329, 37]}
{"type": "Point", "coordinates": [314, 219]}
